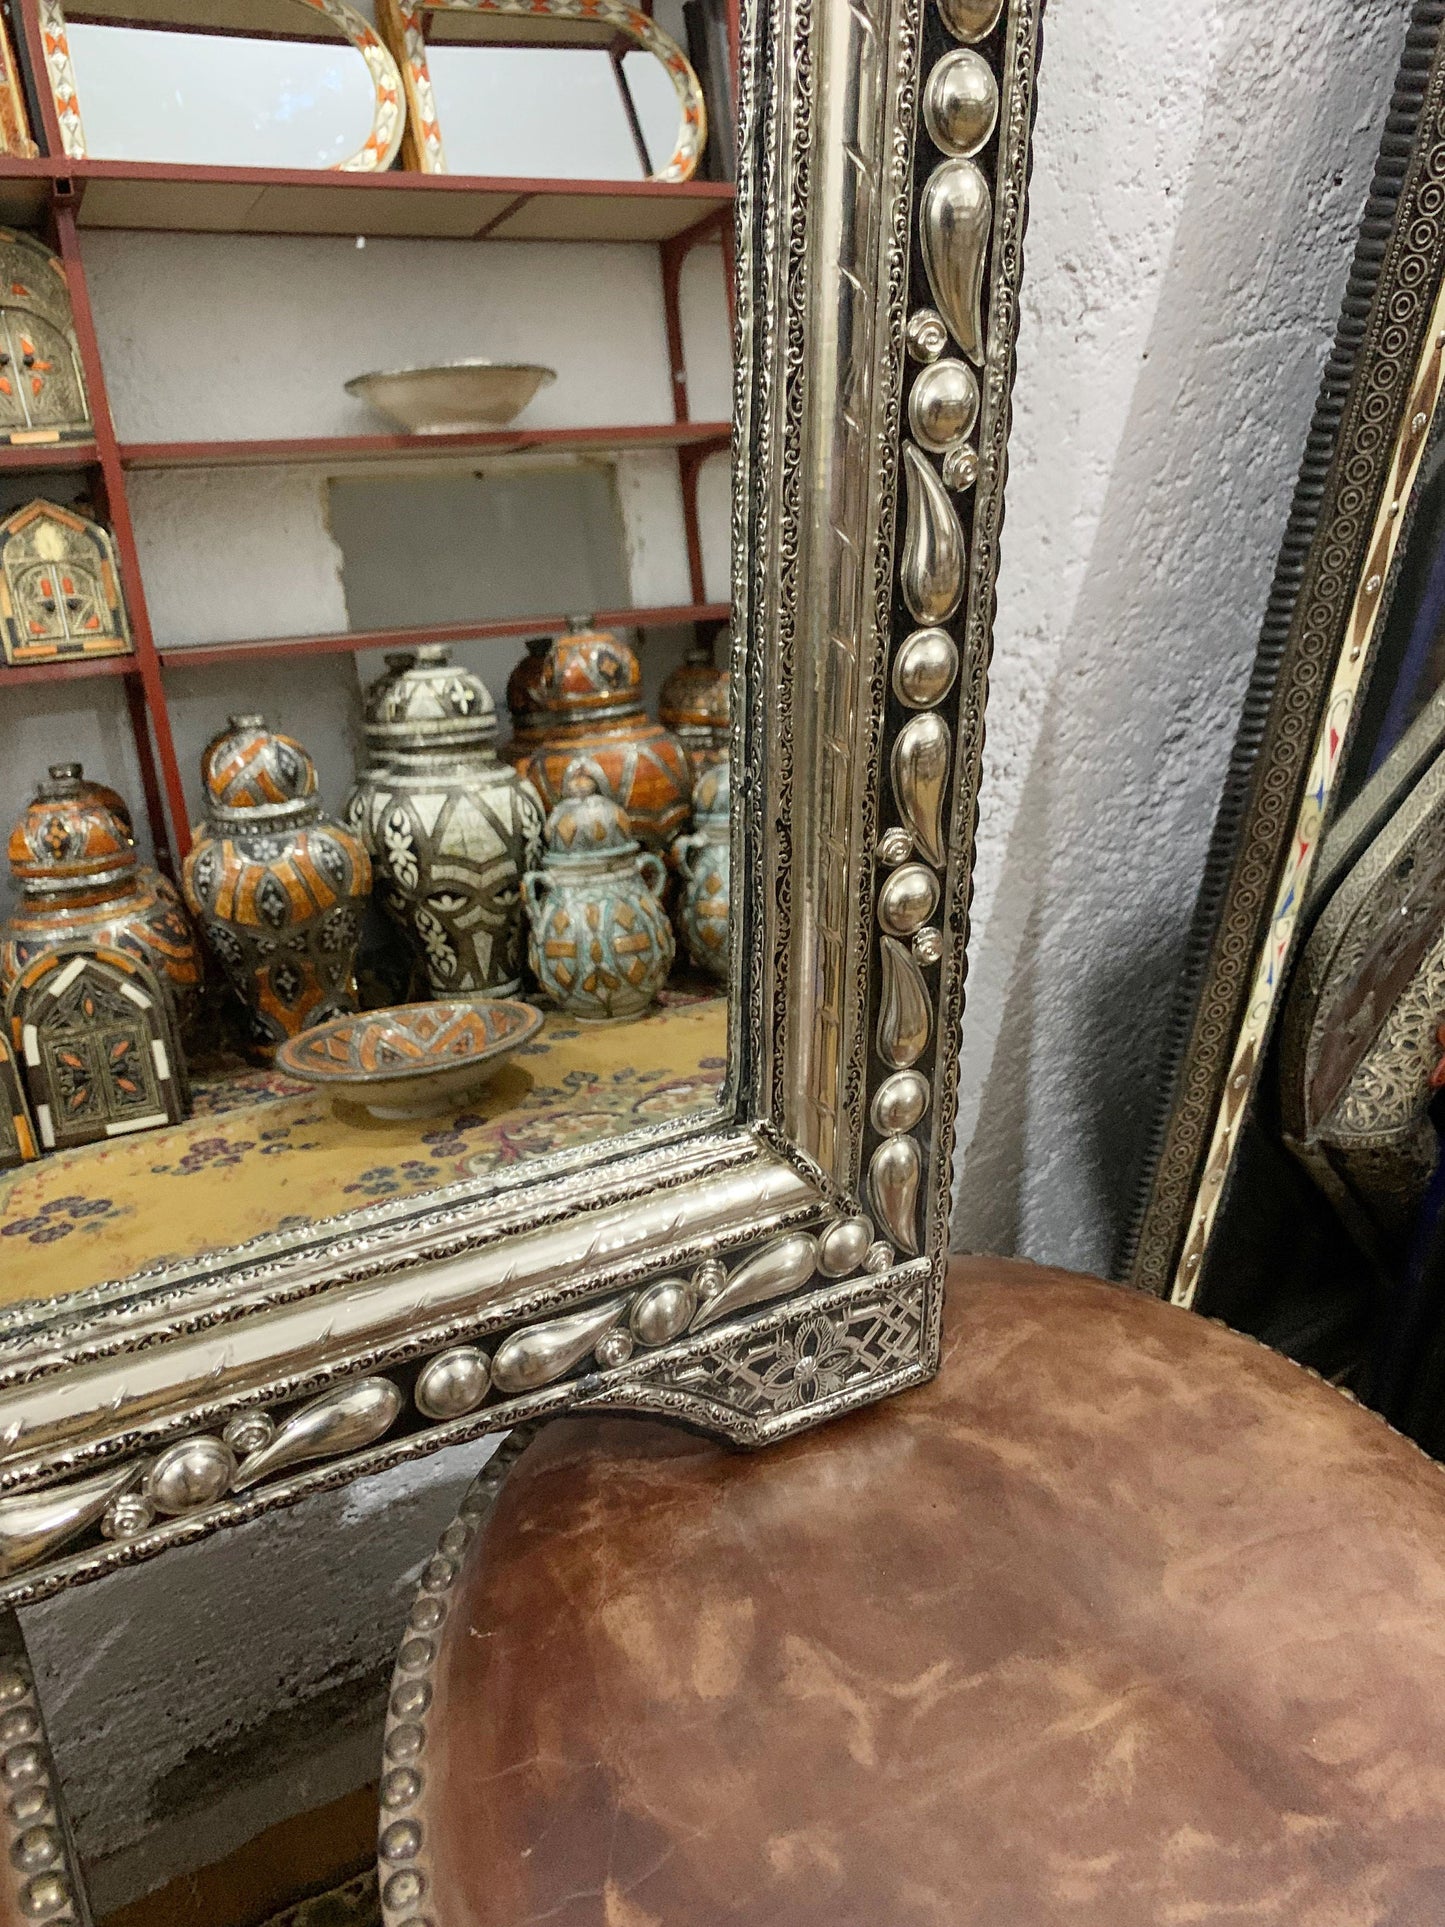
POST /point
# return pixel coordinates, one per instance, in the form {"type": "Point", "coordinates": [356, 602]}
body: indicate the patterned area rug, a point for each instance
{"type": "Point", "coordinates": [262, 1153]}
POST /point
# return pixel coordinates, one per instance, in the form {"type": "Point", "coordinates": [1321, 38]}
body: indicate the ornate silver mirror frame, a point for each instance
{"type": "Point", "coordinates": [762, 1271]}
{"type": "Point", "coordinates": [1347, 527]}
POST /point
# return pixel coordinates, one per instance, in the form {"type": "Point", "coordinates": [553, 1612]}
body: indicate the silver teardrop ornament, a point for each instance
{"type": "Point", "coordinates": [784, 1266]}
{"type": "Point", "coordinates": [905, 1014]}
{"type": "Point", "coordinates": [960, 103]}
{"type": "Point", "coordinates": [920, 775]}
{"type": "Point", "coordinates": [33, 1524]}
{"type": "Point", "coordinates": [954, 217]}
{"type": "Point", "coordinates": [943, 404]}
{"type": "Point", "coordinates": [893, 1180]}
{"type": "Point", "coordinates": [924, 668]}
{"type": "Point", "coordinates": [933, 547]}
{"type": "Point", "coordinates": [970, 19]}
{"type": "Point", "coordinates": [339, 1421]}
{"type": "Point", "coordinates": [532, 1358]}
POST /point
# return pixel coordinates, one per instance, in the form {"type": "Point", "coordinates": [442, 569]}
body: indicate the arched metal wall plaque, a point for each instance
{"type": "Point", "coordinates": [758, 1271]}
{"type": "Point", "coordinates": [1379, 399]}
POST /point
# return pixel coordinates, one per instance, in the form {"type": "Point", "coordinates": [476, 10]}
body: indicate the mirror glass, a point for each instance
{"type": "Point", "coordinates": [515, 846]}
{"type": "Point", "coordinates": [1330, 1242]}
{"type": "Point", "coordinates": [456, 910]}
{"type": "Point", "coordinates": [158, 93]}
{"type": "Point", "coordinates": [552, 113]}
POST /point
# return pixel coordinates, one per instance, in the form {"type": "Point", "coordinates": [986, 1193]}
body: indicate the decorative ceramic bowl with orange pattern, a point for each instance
{"type": "Point", "coordinates": [418, 1060]}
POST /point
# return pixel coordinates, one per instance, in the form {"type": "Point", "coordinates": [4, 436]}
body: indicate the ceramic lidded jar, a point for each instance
{"type": "Point", "coordinates": [601, 943]}
{"type": "Point", "coordinates": [704, 859]}
{"type": "Point", "coordinates": [73, 855]}
{"type": "Point", "coordinates": [695, 706]}
{"type": "Point", "coordinates": [590, 705]}
{"type": "Point", "coordinates": [522, 700]}
{"type": "Point", "coordinates": [353, 811]}
{"type": "Point", "coordinates": [276, 885]}
{"type": "Point", "coordinates": [450, 828]}
{"type": "Point", "coordinates": [121, 810]}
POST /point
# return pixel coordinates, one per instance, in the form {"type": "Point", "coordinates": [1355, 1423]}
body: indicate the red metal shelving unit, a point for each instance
{"type": "Point", "coordinates": [347, 451]}
{"type": "Point", "coordinates": [80, 670]}
{"type": "Point", "coordinates": [160, 197]}
{"type": "Point", "coordinates": [60, 197]}
{"type": "Point", "coordinates": [210, 655]}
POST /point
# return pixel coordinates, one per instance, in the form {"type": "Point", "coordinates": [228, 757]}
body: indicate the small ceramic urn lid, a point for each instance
{"type": "Point", "coordinates": [712, 803]}
{"type": "Point", "coordinates": [589, 676]}
{"type": "Point", "coordinates": [102, 792]}
{"type": "Point", "coordinates": [587, 823]}
{"type": "Point", "coordinates": [253, 775]}
{"type": "Point", "coordinates": [431, 704]}
{"type": "Point", "coordinates": [72, 836]}
{"type": "Point", "coordinates": [397, 661]}
{"type": "Point", "coordinates": [695, 694]}
{"type": "Point", "coordinates": [372, 697]}
{"type": "Point", "coordinates": [523, 685]}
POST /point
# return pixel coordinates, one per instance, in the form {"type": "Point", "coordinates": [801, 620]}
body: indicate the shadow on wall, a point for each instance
{"type": "Point", "coordinates": [1101, 861]}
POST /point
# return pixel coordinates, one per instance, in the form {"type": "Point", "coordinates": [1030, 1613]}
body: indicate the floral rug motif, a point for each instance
{"type": "Point", "coordinates": [262, 1152]}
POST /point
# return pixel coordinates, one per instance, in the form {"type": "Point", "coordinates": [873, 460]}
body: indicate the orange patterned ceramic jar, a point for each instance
{"type": "Point", "coordinates": [695, 706]}
{"type": "Point", "coordinates": [277, 887]}
{"type": "Point", "coordinates": [590, 709]}
{"type": "Point", "coordinates": [704, 859]}
{"type": "Point", "coordinates": [522, 704]}
{"type": "Point", "coordinates": [80, 882]}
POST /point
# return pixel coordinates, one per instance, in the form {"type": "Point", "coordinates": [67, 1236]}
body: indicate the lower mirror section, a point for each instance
{"type": "Point", "coordinates": [263, 1151]}
{"type": "Point", "coordinates": [763, 1342]}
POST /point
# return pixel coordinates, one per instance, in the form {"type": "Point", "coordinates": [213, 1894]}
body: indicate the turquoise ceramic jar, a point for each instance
{"type": "Point", "coordinates": [601, 944]}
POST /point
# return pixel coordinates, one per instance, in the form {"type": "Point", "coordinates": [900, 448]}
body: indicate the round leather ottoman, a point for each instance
{"type": "Point", "coordinates": [1122, 1622]}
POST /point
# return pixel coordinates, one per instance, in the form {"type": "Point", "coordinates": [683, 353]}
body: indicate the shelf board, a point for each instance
{"type": "Point", "coordinates": [263, 200]}
{"type": "Point", "coordinates": [81, 671]}
{"type": "Point", "coordinates": [213, 655]}
{"type": "Point", "coordinates": [351, 450]}
{"type": "Point", "coordinates": [47, 455]}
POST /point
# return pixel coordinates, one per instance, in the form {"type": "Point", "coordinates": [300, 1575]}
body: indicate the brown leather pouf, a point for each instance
{"type": "Point", "coordinates": [1122, 1622]}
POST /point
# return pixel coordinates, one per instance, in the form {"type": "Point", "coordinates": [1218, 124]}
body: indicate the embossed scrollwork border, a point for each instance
{"type": "Point", "coordinates": [1320, 606]}
{"type": "Point", "coordinates": [783, 1263]}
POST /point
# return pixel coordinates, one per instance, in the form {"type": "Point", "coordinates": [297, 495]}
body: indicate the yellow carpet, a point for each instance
{"type": "Point", "coordinates": [263, 1152]}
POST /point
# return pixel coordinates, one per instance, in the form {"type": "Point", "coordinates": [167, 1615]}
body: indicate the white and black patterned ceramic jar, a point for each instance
{"type": "Point", "coordinates": [450, 828]}
{"type": "Point", "coordinates": [363, 790]}
{"type": "Point", "coordinates": [276, 885]}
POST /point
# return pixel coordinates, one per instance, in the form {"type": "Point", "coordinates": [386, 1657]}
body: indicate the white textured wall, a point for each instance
{"type": "Point", "coordinates": [1199, 173]}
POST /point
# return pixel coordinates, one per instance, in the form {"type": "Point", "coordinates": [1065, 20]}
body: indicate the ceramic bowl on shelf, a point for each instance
{"type": "Point", "coordinates": [418, 1060]}
{"type": "Point", "coordinates": [454, 399]}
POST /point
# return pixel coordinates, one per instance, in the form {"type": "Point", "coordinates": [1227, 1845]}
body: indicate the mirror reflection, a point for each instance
{"type": "Point", "coordinates": [455, 909]}
{"type": "Point", "coordinates": [157, 93]}
{"type": "Point", "coordinates": [511, 941]}
{"type": "Point", "coordinates": [555, 113]}
{"type": "Point", "coordinates": [1331, 1242]}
